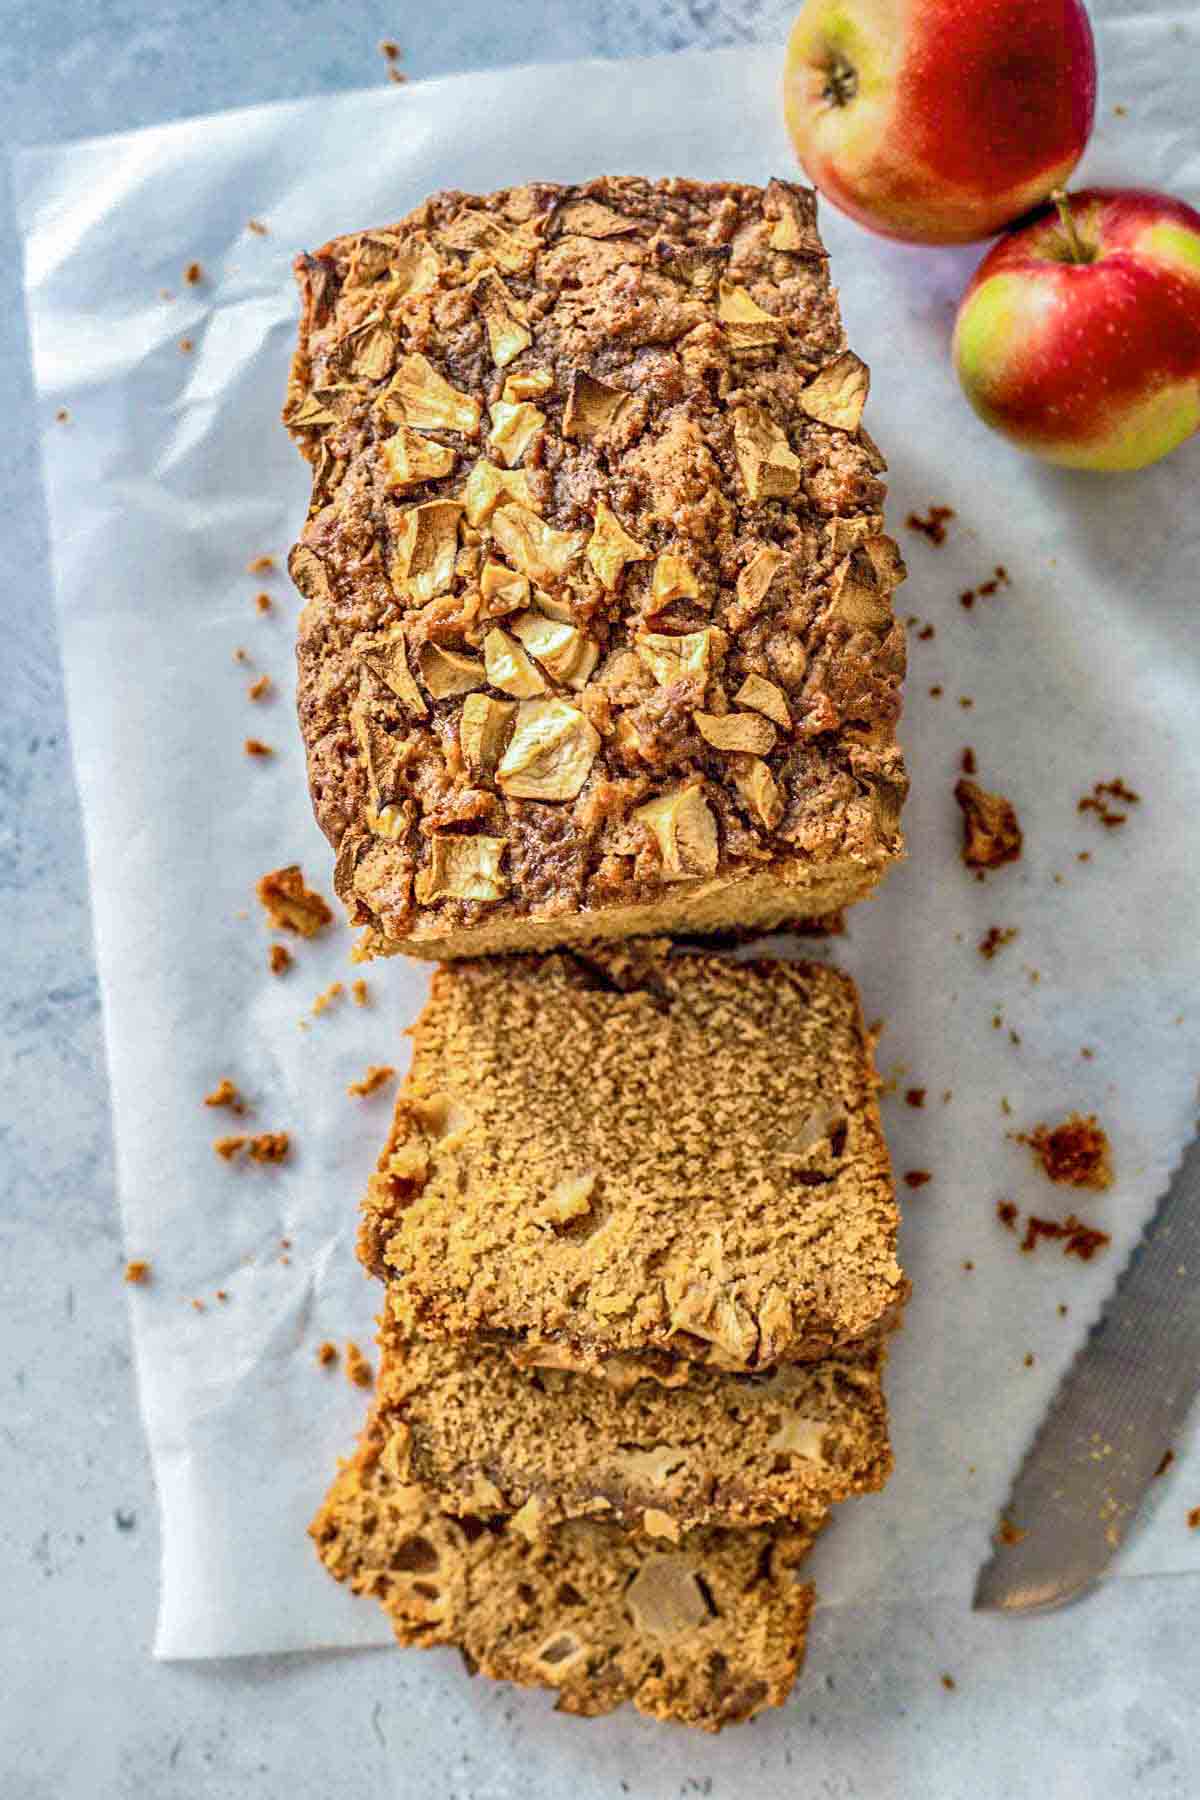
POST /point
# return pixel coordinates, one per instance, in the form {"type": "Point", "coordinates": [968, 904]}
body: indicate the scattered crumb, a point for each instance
{"type": "Point", "coordinates": [1075, 1154]}
{"type": "Point", "coordinates": [361, 992]}
{"type": "Point", "coordinates": [358, 1369]}
{"type": "Point", "coordinates": [1121, 112]}
{"type": "Point", "coordinates": [256, 747]}
{"type": "Point", "coordinates": [968, 765]}
{"type": "Point", "coordinates": [966, 702]}
{"type": "Point", "coordinates": [968, 1266]}
{"type": "Point", "coordinates": [949, 1683]}
{"type": "Point", "coordinates": [916, 1178]}
{"type": "Point", "coordinates": [225, 1094]}
{"type": "Point", "coordinates": [935, 692]}
{"type": "Point", "coordinates": [933, 524]}
{"type": "Point", "coordinates": [193, 274]}
{"type": "Point", "coordinates": [1077, 1238]}
{"type": "Point", "coordinates": [124, 1520]}
{"type": "Point", "coordinates": [258, 227]}
{"type": "Point", "coordinates": [258, 690]}
{"type": "Point", "coordinates": [187, 345]}
{"type": "Point", "coordinates": [285, 1243]}
{"type": "Point", "coordinates": [1009, 1534]}
{"type": "Point", "coordinates": [915, 1096]}
{"type": "Point", "coordinates": [1194, 1519]}
{"type": "Point", "coordinates": [1007, 1213]}
{"type": "Point", "coordinates": [1029, 1359]}
{"type": "Point", "coordinates": [240, 655]}
{"type": "Point", "coordinates": [264, 1147]}
{"type": "Point", "coordinates": [390, 48]}
{"type": "Point", "coordinates": [263, 602]}
{"type": "Point", "coordinates": [995, 939]}
{"type": "Point", "coordinates": [290, 904]}
{"type": "Point", "coordinates": [1005, 1108]}
{"type": "Point", "coordinates": [997, 1021]}
{"type": "Point", "coordinates": [999, 578]}
{"type": "Point", "coordinates": [1063, 1309]}
{"type": "Point", "coordinates": [62, 415]}
{"type": "Point", "coordinates": [324, 1000]}
{"type": "Point", "coordinates": [327, 1354]}
{"type": "Point", "coordinates": [1014, 1037]}
{"type": "Point", "coordinates": [1168, 1457]}
{"type": "Point", "coordinates": [222, 1295]}
{"type": "Point", "coordinates": [199, 1306]}
{"type": "Point", "coordinates": [137, 1272]}
{"type": "Point", "coordinates": [1083, 856]}
{"type": "Point", "coordinates": [926, 632]}
{"type": "Point", "coordinates": [1100, 801]}
{"type": "Point", "coordinates": [280, 959]}
{"type": "Point", "coordinates": [396, 75]}
{"type": "Point", "coordinates": [259, 565]}
{"type": "Point", "coordinates": [991, 833]}
{"type": "Point", "coordinates": [377, 1076]}
{"type": "Point", "coordinates": [947, 1096]}
{"type": "Point", "coordinates": [1087, 1052]}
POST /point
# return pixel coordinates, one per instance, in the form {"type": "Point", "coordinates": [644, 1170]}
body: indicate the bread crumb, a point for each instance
{"type": "Point", "coordinates": [916, 1178]}
{"type": "Point", "coordinates": [259, 565]}
{"type": "Point", "coordinates": [1100, 800]}
{"type": "Point", "coordinates": [1009, 1534]}
{"type": "Point", "coordinates": [137, 1272]}
{"type": "Point", "coordinates": [1074, 1154]}
{"type": "Point", "coordinates": [933, 524]}
{"type": "Point", "coordinates": [996, 937]}
{"type": "Point", "coordinates": [1029, 1359]}
{"type": "Point", "coordinates": [926, 633]}
{"type": "Point", "coordinates": [256, 747]}
{"type": "Point", "coordinates": [258, 227]}
{"type": "Point", "coordinates": [968, 765]}
{"type": "Point", "coordinates": [324, 1000]}
{"type": "Point", "coordinates": [240, 655]}
{"type": "Point", "coordinates": [1168, 1457]}
{"type": "Point", "coordinates": [198, 1306]}
{"type": "Point", "coordinates": [1077, 1238]}
{"type": "Point", "coordinates": [949, 1683]}
{"type": "Point", "coordinates": [390, 48]}
{"type": "Point", "coordinates": [258, 690]}
{"type": "Point", "coordinates": [225, 1094]}
{"type": "Point", "coordinates": [968, 1266]}
{"type": "Point", "coordinates": [358, 1369]}
{"type": "Point", "coordinates": [1007, 1213]}
{"type": "Point", "coordinates": [1194, 1519]}
{"type": "Point", "coordinates": [327, 1354]}
{"type": "Point", "coordinates": [1121, 112]}
{"type": "Point", "coordinates": [991, 833]}
{"type": "Point", "coordinates": [186, 345]}
{"type": "Point", "coordinates": [263, 602]}
{"type": "Point", "coordinates": [263, 1147]}
{"type": "Point", "coordinates": [377, 1076]}
{"type": "Point", "coordinates": [936, 691]}
{"type": "Point", "coordinates": [915, 1096]}
{"type": "Point", "coordinates": [361, 992]}
{"type": "Point", "coordinates": [966, 702]}
{"type": "Point", "coordinates": [290, 904]}
{"type": "Point", "coordinates": [1063, 1309]}
{"type": "Point", "coordinates": [222, 1295]}
{"type": "Point", "coordinates": [279, 959]}
{"type": "Point", "coordinates": [193, 274]}
{"type": "Point", "coordinates": [62, 416]}
{"type": "Point", "coordinates": [999, 578]}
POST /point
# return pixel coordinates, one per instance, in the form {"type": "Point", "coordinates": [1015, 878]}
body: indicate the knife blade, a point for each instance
{"type": "Point", "coordinates": [1116, 1411]}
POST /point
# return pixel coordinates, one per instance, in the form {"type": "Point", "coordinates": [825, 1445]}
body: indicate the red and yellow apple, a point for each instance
{"type": "Point", "coordinates": [940, 121]}
{"type": "Point", "coordinates": [1079, 336]}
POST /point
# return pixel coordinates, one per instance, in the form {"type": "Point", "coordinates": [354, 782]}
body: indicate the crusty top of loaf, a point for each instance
{"type": "Point", "coordinates": [597, 584]}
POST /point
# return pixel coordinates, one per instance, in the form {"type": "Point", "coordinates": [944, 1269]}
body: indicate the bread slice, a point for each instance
{"type": "Point", "coordinates": [638, 1151]}
{"type": "Point", "coordinates": [707, 1632]}
{"type": "Point", "coordinates": [598, 637]}
{"type": "Point", "coordinates": [710, 1449]}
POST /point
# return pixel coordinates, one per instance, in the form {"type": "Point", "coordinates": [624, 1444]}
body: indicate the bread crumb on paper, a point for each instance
{"type": "Point", "coordinates": [376, 1077]}
{"type": "Point", "coordinates": [358, 1370]}
{"type": "Point", "coordinates": [260, 565]}
{"type": "Point", "coordinates": [256, 747]}
{"type": "Point", "coordinates": [291, 905]}
{"type": "Point", "coordinates": [1076, 1153]}
{"type": "Point", "coordinates": [263, 602]}
{"type": "Point", "coordinates": [361, 992]}
{"type": "Point", "coordinates": [226, 1094]}
{"type": "Point", "coordinates": [137, 1272]}
{"type": "Point", "coordinates": [327, 1354]}
{"type": "Point", "coordinates": [259, 689]}
{"type": "Point", "coordinates": [932, 525]}
{"type": "Point", "coordinates": [280, 959]}
{"type": "Point", "coordinates": [327, 997]}
{"type": "Point", "coordinates": [991, 832]}
{"type": "Point", "coordinates": [193, 275]}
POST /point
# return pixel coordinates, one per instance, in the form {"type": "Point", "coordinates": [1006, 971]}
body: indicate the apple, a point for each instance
{"type": "Point", "coordinates": [940, 121]}
{"type": "Point", "coordinates": [1079, 335]}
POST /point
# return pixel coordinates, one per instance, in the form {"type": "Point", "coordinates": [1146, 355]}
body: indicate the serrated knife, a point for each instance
{"type": "Point", "coordinates": [1114, 1417]}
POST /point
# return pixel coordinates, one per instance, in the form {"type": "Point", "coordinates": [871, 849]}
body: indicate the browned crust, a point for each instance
{"type": "Point", "coordinates": [642, 306]}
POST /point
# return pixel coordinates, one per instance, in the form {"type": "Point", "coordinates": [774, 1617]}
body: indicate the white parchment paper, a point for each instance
{"type": "Point", "coordinates": [172, 472]}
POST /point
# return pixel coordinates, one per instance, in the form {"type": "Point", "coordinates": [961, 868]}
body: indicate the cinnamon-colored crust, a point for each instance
{"type": "Point", "coordinates": [679, 482]}
{"type": "Point", "coordinates": [632, 1151]}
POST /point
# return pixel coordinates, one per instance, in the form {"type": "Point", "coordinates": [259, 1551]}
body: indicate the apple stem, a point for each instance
{"type": "Point", "coordinates": [1074, 243]}
{"type": "Point", "coordinates": [841, 81]}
